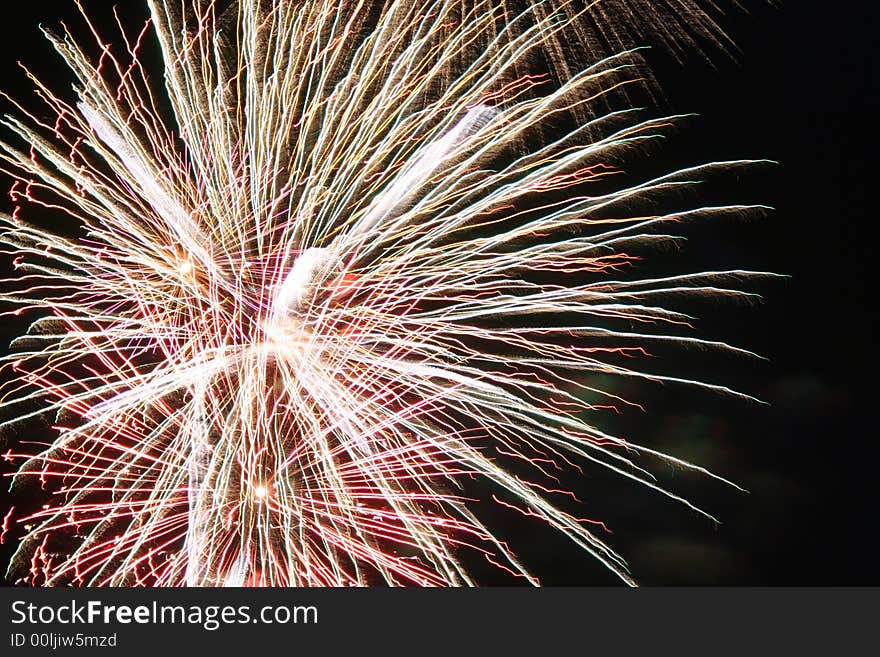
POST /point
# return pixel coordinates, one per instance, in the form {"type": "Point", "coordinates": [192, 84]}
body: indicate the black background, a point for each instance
{"type": "Point", "coordinates": [804, 92]}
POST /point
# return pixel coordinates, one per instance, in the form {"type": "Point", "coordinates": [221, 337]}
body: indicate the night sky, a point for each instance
{"type": "Point", "coordinates": [803, 92]}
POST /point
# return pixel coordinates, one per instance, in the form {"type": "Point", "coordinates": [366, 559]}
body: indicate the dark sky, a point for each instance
{"type": "Point", "coordinates": [803, 92]}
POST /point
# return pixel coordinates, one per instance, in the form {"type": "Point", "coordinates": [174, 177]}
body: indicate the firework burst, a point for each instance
{"type": "Point", "coordinates": [332, 271]}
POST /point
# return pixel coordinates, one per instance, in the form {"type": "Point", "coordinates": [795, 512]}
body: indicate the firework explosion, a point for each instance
{"type": "Point", "coordinates": [334, 271]}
